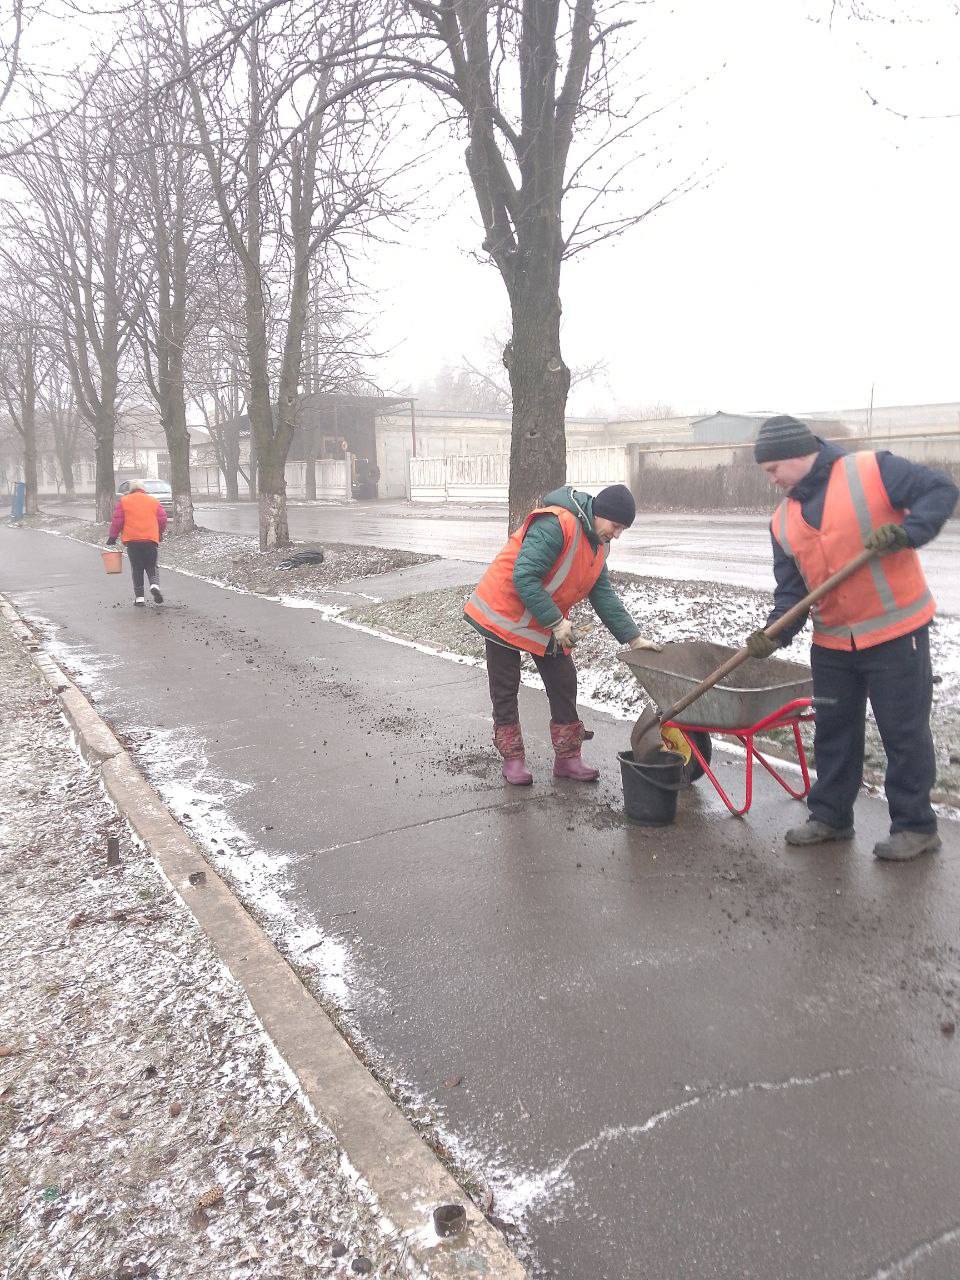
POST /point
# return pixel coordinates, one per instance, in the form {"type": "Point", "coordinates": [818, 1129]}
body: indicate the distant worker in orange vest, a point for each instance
{"type": "Point", "coordinates": [871, 634]}
{"type": "Point", "coordinates": [554, 560]}
{"type": "Point", "coordinates": [141, 520]}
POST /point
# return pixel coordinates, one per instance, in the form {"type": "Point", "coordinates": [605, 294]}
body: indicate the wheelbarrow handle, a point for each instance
{"type": "Point", "coordinates": [781, 624]}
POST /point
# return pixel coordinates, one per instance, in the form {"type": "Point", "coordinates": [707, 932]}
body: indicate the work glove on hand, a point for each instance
{"type": "Point", "coordinates": [888, 537]}
{"type": "Point", "coordinates": [759, 645]}
{"type": "Point", "coordinates": [111, 542]}
{"type": "Point", "coordinates": [641, 642]}
{"type": "Point", "coordinates": [564, 633]}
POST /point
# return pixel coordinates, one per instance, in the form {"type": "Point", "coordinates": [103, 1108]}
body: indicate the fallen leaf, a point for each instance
{"type": "Point", "coordinates": [8, 1050]}
{"type": "Point", "coordinates": [451, 1082]}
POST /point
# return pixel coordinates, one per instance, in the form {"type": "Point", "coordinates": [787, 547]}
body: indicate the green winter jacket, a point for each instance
{"type": "Point", "coordinates": [541, 547]}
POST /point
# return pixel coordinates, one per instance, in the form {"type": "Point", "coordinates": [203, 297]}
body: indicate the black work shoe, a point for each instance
{"type": "Point", "coordinates": [815, 832]}
{"type": "Point", "coordinates": [155, 592]}
{"type": "Point", "coordinates": [904, 845]}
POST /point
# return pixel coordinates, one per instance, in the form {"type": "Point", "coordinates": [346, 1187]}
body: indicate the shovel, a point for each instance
{"type": "Point", "coordinates": [646, 732]}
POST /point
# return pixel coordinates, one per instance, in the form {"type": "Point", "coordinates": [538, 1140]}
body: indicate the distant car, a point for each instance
{"type": "Point", "coordinates": [158, 489]}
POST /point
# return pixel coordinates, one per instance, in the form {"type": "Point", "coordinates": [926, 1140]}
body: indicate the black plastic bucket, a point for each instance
{"type": "Point", "coordinates": [650, 786]}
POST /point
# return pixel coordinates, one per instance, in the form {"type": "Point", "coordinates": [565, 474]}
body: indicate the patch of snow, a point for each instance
{"type": "Point", "coordinates": [199, 797]}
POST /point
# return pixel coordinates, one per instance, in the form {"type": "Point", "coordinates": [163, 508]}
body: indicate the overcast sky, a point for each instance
{"type": "Point", "coordinates": [820, 258]}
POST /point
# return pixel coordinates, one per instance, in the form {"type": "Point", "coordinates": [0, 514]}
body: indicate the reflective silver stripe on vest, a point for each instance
{"type": "Point", "coordinates": [864, 520]}
{"type": "Point", "coordinates": [516, 627]}
{"type": "Point", "coordinates": [520, 626]}
{"type": "Point", "coordinates": [566, 564]}
{"type": "Point", "coordinates": [783, 537]}
{"type": "Point", "coordinates": [889, 617]}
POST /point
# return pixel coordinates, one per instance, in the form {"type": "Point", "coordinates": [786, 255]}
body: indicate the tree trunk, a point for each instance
{"type": "Point", "coordinates": [30, 467]}
{"type": "Point", "coordinates": [274, 531]}
{"type": "Point", "coordinates": [106, 484]}
{"type": "Point", "coordinates": [28, 422]}
{"type": "Point", "coordinates": [231, 459]}
{"type": "Point", "coordinates": [178, 446]}
{"type": "Point", "coordinates": [253, 482]}
{"type": "Point", "coordinates": [539, 380]}
{"type": "Point", "coordinates": [64, 452]}
{"type": "Point", "coordinates": [174, 328]}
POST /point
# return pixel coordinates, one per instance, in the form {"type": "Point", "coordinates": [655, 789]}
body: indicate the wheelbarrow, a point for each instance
{"type": "Point", "coordinates": [741, 697]}
{"type": "Point", "coordinates": [755, 698]}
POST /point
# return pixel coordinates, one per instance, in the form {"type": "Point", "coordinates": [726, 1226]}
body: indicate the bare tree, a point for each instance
{"type": "Point", "coordinates": [533, 86]}
{"type": "Point", "coordinates": [24, 360]}
{"type": "Point", "coordinates": [287, 131]}
{"type": "Point", "coordinates": [217, 378]}
{"type": "Point", "coordinates": [172, 205]}
{"type": "Point", "coordinates": [11, 39]}
{"type": "Point", "coordinates": [78, 223]}
{"type": "Point", "coordinates": [60, 412]}
{"type": "Point", "coordinates": [903, 45]}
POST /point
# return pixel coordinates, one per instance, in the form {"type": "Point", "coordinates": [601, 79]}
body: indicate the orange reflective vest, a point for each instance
{"type": "Point", "coordinates": [496, 604]}
{"type": "Point", "coordinates": [888, 597]}
{"type": "Point", "coordinates": [140, 523]}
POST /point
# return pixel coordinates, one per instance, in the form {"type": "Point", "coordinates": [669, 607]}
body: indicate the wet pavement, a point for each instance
{"type": "Point", "coordinates": [682, 1053]}
{"type": "Point", "coordinates": [689, 546]}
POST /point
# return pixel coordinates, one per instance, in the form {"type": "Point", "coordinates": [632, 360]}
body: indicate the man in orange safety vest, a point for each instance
{"type": "Point", "coordinates": [871, 634]}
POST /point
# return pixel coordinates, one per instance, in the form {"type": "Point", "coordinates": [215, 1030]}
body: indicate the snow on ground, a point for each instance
{"type": "Point", "coordinates": [670, 611]}
{"type": "Point", "coordinates": [147, 1125]}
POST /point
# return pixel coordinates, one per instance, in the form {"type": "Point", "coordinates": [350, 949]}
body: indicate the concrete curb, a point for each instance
{"type": "Point", "coordinates": [404, 1174]}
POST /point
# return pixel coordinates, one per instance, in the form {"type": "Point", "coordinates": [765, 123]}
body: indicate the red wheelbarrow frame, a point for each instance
{"type": "Point", "coordinates": [792, 714]}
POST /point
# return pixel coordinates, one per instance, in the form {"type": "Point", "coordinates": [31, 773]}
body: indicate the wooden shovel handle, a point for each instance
{"type": "Point", "coordinates": [782, 623]}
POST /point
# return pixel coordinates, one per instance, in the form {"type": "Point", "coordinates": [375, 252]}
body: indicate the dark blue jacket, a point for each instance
{"type": "Point", "coordinates": [927, 496]}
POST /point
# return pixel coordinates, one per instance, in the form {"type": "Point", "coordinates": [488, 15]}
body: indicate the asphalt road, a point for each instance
{"type": "Point", "coordinates": [690, 546]}
{"type": "Point", "coordinates": [688, 1053]}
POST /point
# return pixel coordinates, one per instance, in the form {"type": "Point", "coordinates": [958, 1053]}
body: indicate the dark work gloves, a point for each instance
{"type": "Point", "coordinates": [111, 542]}
{"type": "Point", "coordinates": [888, 537]}
{"type": "Point", "coordinates": [760, 645]}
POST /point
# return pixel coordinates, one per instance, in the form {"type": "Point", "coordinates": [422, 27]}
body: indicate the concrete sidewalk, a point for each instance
{"type": "Point", "coordinates": [148, 1127]}
{"type": "Point", "coordinates": [683, 1053]}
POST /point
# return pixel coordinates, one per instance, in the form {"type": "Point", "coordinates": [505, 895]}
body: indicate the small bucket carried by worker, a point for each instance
{"type": "Point", "coordinates": [112, 559]}
{"type": "Point", "coordinates": [650, 786]}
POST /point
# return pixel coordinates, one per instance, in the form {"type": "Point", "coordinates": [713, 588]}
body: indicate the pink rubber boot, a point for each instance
{"type": "Point", "coordinates": [566, 744]}
{"type": "Point", "coordinates": [508, 740]}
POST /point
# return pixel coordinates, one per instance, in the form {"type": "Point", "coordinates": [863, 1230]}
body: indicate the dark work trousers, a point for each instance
{"type": "Point", "coordinates": [898, 680]}
{"type": "Point", "coordinates": [143, 558]}
{"type": "Point", "coordinates": [559, 677]}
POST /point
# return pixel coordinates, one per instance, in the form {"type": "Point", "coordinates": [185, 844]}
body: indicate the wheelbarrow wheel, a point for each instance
{"type": "Point", "coordinates": [692, 768]}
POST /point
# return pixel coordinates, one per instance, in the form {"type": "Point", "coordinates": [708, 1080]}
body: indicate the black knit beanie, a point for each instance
{"type": "Point", "coordinates": [784, 437]}
{"type": "Point", "coordinates": [616, 503]}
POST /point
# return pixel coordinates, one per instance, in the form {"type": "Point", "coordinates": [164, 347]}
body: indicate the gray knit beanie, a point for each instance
{"type": "Point", "coordinates": [784, 437]}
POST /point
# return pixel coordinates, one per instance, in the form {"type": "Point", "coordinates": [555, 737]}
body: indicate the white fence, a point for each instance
{"type": "Point", "coordinates": [485, 477]}
{"type": "Point", "coordinates": [332, 478]}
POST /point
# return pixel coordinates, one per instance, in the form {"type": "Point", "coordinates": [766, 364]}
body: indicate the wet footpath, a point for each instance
{"type": "Point", "coordinates": [678, 1052]}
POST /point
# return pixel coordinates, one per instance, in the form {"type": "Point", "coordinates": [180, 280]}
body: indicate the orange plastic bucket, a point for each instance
{"type": "Point", "coordinates": [112, 559]}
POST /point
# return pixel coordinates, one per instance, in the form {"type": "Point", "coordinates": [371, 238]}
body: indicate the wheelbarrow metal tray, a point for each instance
{"type": "Point", "coordinates": [747, 695]}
